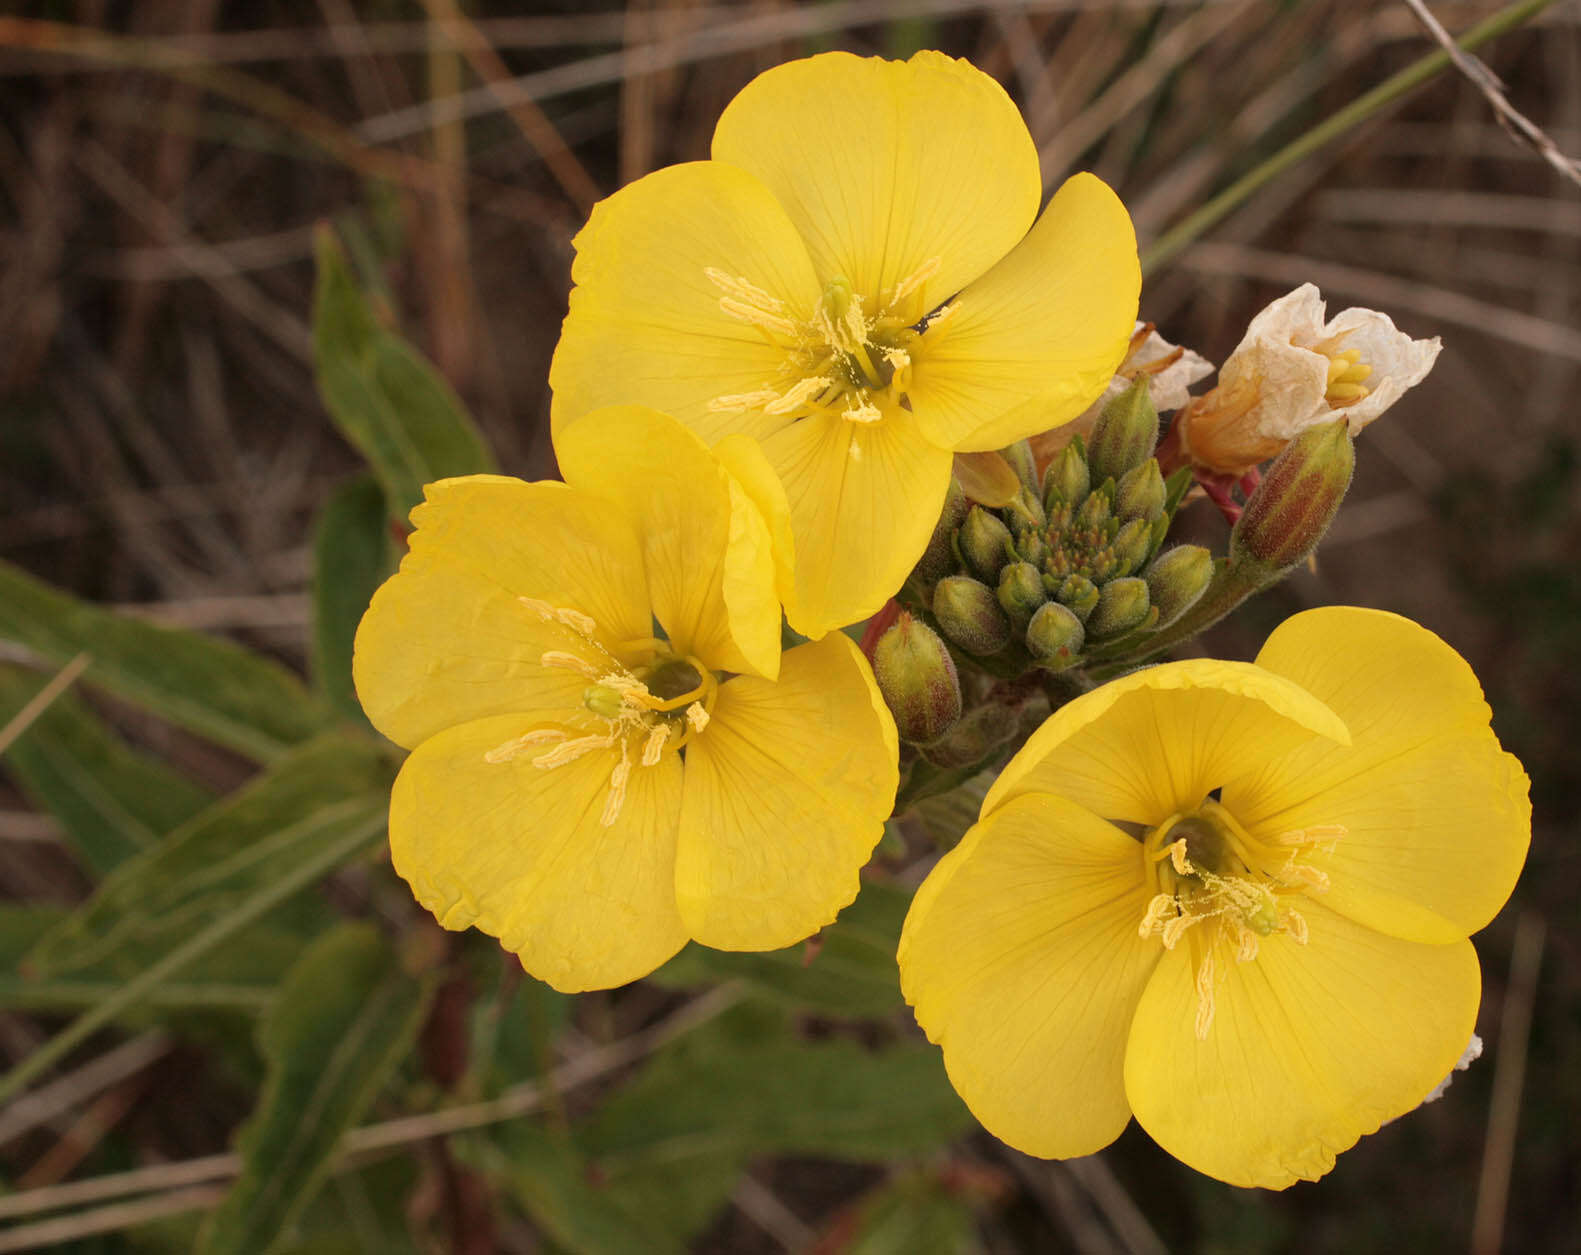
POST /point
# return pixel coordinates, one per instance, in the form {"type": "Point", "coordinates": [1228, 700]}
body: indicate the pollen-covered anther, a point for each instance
{"type": "Point", "coordinates": [798, 396]}
{"type": "Point", "coordinates": [1294, 923]}
{"type": "Point", "coordinates": [1205, 1005]}
{"type": "Point", "coordinates": [559, 659]}
{"type": "Point", "coordinates": [580, 623]}
{"type": "Point", "coordinates": [698, 716]}
{"type": "Point", "coordinates": [653, 747]}
{"type": "Point", "coordinates": [1159, 911]}
{"type": "Point", "coordinates": [516, 746]}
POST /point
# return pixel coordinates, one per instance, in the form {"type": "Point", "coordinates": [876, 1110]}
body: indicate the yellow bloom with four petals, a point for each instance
{"type": "Point", "coordinates": [855, 279]}
{"type": "Point", "coordinates": [590, 792]}
{"type": "Point", "coordinates": [1230, 898]}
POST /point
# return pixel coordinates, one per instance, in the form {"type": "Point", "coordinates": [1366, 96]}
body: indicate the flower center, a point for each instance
{"type": "Point", "coordinates": [852, 359]}
{"type": "Point", "coordinates": [1347, 373]}
{"type": "Point", "coordinates": [644, 701]}
{"type": "Point", "coordinates": [1207, 869]}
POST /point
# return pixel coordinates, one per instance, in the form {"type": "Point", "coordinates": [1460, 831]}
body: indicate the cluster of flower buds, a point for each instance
{"type": "Point", "coordinates": [1072, 566]}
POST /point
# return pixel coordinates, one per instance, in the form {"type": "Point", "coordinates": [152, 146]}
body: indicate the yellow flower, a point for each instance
{"type": "Point", "coordinates": [591, 794]}
{"type": "Point", "coordinates": [852, 280]}
{"type": "Point", "coordinates": [1268, 958]}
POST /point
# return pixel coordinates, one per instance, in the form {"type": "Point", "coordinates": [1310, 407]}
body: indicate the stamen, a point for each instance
{"type": "Point", "coordinates": [1178, 859]}
{"type": "Point", "coordinates": [863, 412]}
{"type": "Point", "coordinates": [1204, 997]}
{"type": "Point", "coordinates": [563, 661]}
{"type": "Point", "coordinates": [797, 396]}
{"type": "Point", "coordinates": [578, 622]}
{"type": "Point", "coordinates": [653, 747]}
{"type": "Point", "coordinates": [616, 797]}
{"type": "Point", "coordinates": [1296, 925]}
{"type": "Point", "coordinates": [697, 716]}
{"type": "Point", "coordinates": [570, 751]}
{"type": "Point", "coordinates": [513, 748]}
{"type": "Point", "coordinates": [1245, 943]}
{"type": "Point", "coordinates": [1161, 908]}
{"type": "Point", "coordinates": [737, 401]}
{"type": "Point", "coordinates": [743, 290]}
{"type": "Point", "coordinates": [1176, 928]}
{"type": "Point", "coordinates": [756, 317]}
{"type": "Point", "coordinates": [918, 277]}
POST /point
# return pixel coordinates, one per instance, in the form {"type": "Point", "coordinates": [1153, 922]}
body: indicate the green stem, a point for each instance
{"type": "Point", "coordinates": [297, 878]}
{"type": "Point", "coordinates": [1232, 585]}
{"type": "Point", "coordinates": [1353, 114]}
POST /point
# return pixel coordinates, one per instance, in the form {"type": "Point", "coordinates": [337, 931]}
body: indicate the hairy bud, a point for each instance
{"type": "Point", "coordinates": [917, 677]}
{"type": "Point", "coordinates": [1125, 435]}
{"type": "Point", "coordinates": [985, 544]}
{"type": "Point", "coordinates": [1122, 605]}
{"type": "Point", "coordinates": [1177, 578]}
{"type": "Point", "coordinates": [969, 614]}
{"type": "Point", "coordinates": [1140, 492]}
{"type": "Point", "coordinates": [1297, 500]}
{"type": "Point", "coordinates": [1021, 592]}
{"type": "Point", "coordinates": [1055, 637]}
{"type": "Point", "coordinates": [1067, 478]}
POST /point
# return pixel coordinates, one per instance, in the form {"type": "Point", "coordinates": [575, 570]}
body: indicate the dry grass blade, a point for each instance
{"type": "Point", "coordinates": [48, 1234]}
{"type": "Point", "coordinates": [1487, 82]}
{"type": "Point", "coordinates": [43, 1105]}
{"type": "Point", "coordinates": [23, 718]}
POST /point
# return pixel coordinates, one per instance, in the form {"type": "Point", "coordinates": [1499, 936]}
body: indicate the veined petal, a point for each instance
{"type": "Point", "coordinates": [1025, 965]}
{"type": "Point", "coordinates": [447, 638]}
{"type": "Point", "coordinates": [787, 790]}
{"type": "Point", "coordinates": [888, 167]}
{"type": "Point", "coordinates": [743, 457]}
{"type": "Point", "coordinates": [1036, 340]}
{"type": "Point", "coordinates": [1155, 742]}
{"type": "Point", "coordinates": [1437, 816]}
{"type": "Point", "coordinates": [1310, 1047]}
{"type": "Point", "coordinates": [706, 547]}
{"type": "Point", "coordinates": [646, 326]}
{"type": "Point", "coordinates": [864, 498]}
{"type": "Point", "coordinates": [519, 851]}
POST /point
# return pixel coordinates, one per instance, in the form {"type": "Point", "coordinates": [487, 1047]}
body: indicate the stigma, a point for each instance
{"type": "Point", "coordinates": [852, 359]}
{"type": "Point", "coordinates": [1227, 890]}
{"type": "Point", "coordinates": [642, 702]}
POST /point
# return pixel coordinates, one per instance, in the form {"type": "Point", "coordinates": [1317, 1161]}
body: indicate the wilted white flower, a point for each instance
{"type": "Point", "coordinates": [1292, 371]}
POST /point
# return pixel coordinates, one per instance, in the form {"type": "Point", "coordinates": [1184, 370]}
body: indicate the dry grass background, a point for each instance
{"type": "Point", "coordinates": [162, 164]}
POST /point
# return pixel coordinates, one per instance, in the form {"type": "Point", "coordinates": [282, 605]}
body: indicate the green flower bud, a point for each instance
{"type": "Point", "coordinates": [1297, 500]}
{"type": "Point", "coordinates": [1177, 578]}
{"type": "Point", "coordinates": [1033, 548]}
{"type": "Point", "coordinates": [938, 559]}
{"type": "Point", "coordinates": [977, 735]}
{"type": "Point", "coordinates": [1093, 514]}
{"type": "Point", "coordinates": [1078, 594]}
{"type": "Point", "coordinates": [1025, 465]}
{"type": "Point", "coordinates": [916, 675]}
{"type": "Point", "coordinates": [1122, 604]}
{"type": "Point", "coordinates": [1140, 492]}
{"type": "Point", "coordinates": [985, 544]}
{"type": "Point", "coordinates": [1021, 592]}
{"type": "Point", "coordinates": [1055, 637]}
{"type": "Point", "coordinates": [1130, 546]}
{"type": "Point", "coordinates": [1067, 478]}
{"type": "Point", "coordinates": [1125, 434]}
{"type": "Point", "coordinates": [969, 614]}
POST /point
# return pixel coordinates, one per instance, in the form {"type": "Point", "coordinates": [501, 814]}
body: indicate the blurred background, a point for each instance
{"type": "Point", "coordinates": [163, 450]}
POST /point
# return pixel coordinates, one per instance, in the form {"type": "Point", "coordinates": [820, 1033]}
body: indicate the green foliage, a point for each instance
{"type": "Point", "coordinates": [913, 1216]}
{"type": "Point", "coordinates": [202, 870]}
{"type": "Point", "coordinates": [851, 973]}
{"type": "Point", "coordinates": [342, 1021]}
{"type": "Point", "coordinates": [385, 398]}
{"type": "Point", "coordinates": [206, 685]}
{"type": "Point", "coordinates": [352, 556]}
{"type": "Point", "coordinates": [112, 801]}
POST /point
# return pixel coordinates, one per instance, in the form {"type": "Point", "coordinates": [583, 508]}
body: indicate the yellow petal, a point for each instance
{"type": "Point", "coordinates": [519, 852]}
{"type": "Point", "coordinates": [1310, 1048]}
{"type": "Point", "coordinates": [787, 790]}
{"type": "Point", "coordinates": [743, 457]}
{"type": "Point", "coordinates": [1022, 960]}
{"type": "Point", "coordinates": [1157, 741]}
{"type": "Point", "coordinates": [889, 166]}
{"type": "Point", "coordinates": [645, 325]}
{"type": "Point", "coordinates": [447, 639]}
{"type": "Point", "coordinates": [1437, 815]}
{"type": "Point", "coordinates": [1036, 340]}
{"type": "Point", "coordinates": [706, 547]}
{"type": "Point", "coordinates": [864, 498]}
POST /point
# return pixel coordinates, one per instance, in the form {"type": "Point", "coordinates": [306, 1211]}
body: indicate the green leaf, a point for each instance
{"type": "Point", "coordinates": [200, 871]}
{"type": "Point", "coordinates": [851, 973]}
{"type": "Point", "coordinates": [352, 556]}
{"type": "Point", "coordinates": [914, 1216]}
{"type": "Point", "coordinates": [202, 683]}
{"type": "Point", "coordinates": [111, 800]}
{"type": "Point", "coordinates": [556, 1186]}
{"type": "Point", "coordinates": [948, 815]}
{"type": "Point", "coordinates": [385, 398]}
{"type": "Point", "coordinates": [344, 1018]}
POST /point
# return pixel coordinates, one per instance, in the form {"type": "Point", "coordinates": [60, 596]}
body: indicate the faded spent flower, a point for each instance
{"type": "Point", "coordinates": [1292, 371]}
{"type": "Point", "coordinates": [590, 792]}
{"type": "Point", "coordinates": [860, 279]}
{"type": "Point", "coordinates": [1231, 899]}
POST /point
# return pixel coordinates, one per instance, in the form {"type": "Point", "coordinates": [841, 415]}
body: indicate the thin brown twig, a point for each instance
{"type": "Point", "coordinates": [41, 701]}
{"type": "Point", "coordinates": [1520, 128]}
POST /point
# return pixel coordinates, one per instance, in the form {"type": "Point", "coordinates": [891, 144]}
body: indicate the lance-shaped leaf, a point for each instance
{"type": "Point", "coordinates": [671, 1144]}
{"type": "Point", "coordinates": [352, 556]}
{"type": "Point", "coordinates": [848, 972]}
{"type": "Point", "coordinates": [341, 1022]}
{"type": "Point", "coordinates": [209, 686]}
{"type": "Point", "coordinates": [385, 398]}
{"type": "Point", "coordinates": [157, 900]}
{"type": "Point", "coordinates": [111, 800]}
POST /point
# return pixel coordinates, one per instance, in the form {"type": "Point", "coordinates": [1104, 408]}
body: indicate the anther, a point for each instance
{"type": "Point", "coordinates": [513, 748]}
{"type": "Point", "coordinates": [1204, 985]}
